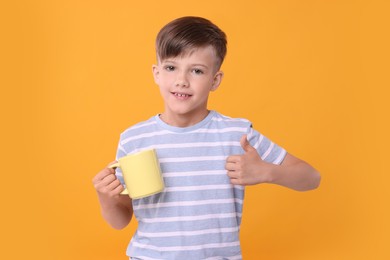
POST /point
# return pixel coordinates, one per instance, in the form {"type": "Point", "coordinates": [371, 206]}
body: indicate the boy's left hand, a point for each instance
{"type": "Point", "coordinates": [249, 168]}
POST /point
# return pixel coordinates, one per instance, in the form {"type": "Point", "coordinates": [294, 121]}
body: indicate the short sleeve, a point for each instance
{"type": "Point", "coordinates": [268, 150]}
{"type": "Point", "coordinates": [120, 152]}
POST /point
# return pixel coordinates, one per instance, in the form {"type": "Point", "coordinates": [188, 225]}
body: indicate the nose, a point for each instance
{"type": "Point", "coordinates": [181, 80]}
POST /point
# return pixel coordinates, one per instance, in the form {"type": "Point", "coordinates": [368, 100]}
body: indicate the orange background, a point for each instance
{"type": "Point", "coordinates": [311, 75]}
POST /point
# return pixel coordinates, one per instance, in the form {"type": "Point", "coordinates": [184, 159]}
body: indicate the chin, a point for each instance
{"type": "Point", "coordinates": [179, 110]}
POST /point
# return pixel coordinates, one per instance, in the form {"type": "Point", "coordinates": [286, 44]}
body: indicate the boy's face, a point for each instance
{"type": "Point", "coordinates": [185, 83]}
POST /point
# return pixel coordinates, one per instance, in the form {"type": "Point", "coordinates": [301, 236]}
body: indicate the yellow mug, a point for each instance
{"type": "Point", "coordinates": [141, 173]}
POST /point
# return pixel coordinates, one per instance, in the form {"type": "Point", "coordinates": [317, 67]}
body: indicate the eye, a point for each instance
{"type": "Point", "coordinates": [197, 71]}
{"type": "Point", "coordinates": [169, 68]}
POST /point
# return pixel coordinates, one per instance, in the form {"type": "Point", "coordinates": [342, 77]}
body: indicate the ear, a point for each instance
{"type": "Point", "coordinates": [156, 73]}
{"type": "Point", "coordinates": [217, 80]}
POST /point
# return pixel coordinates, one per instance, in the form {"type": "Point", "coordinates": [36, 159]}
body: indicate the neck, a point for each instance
{"type": "Point", "coordinates": [185, 120]}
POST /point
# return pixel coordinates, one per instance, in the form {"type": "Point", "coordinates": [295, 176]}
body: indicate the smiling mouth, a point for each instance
{"type": "Point", "coordinates": [181, 95]}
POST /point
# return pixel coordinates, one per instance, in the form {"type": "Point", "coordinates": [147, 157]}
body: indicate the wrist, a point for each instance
{"type": "Point", "coordinates": [271, 174]}
{"type": "Point", "coordinates": [108, 201]}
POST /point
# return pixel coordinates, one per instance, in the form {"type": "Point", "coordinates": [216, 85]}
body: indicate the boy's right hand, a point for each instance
{"type": "Point", "coordinates": [117, 210]}
{"type": "Point", "coordinates": [106, 183]}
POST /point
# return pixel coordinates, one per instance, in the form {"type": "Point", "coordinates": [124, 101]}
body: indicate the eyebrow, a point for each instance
{"type": "Point", "coordinates": [195, 64]}
{"type": "Point", "coordinates": [201, 65]}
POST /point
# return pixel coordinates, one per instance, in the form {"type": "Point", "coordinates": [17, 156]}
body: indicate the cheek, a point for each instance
{"type": "Point", "coordinates": [205, 91]}
{"type": "Point", "coordinates": [162, 82]}
{"type": "Point", "coordinates": [208, 85]}
{"type": "Point", "coordinates": [166, 79]}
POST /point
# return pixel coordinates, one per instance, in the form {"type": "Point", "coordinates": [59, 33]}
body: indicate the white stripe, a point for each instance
{"type": "Point", "coordinates": [191, 145]}
{"type": "Point", "coordinates": [188, 233]}
{"type": "Point", "coordinates": [165, 132]}
{"type": "Point", "coordinates": [224, 130]}
{"type": "Point", "coordinates": [268, 151]}
{"type": "Point", "coordinates": [186, 248]}
{"type": "Point", "coordinates": [146, 258]}
{"type": "Point", "coordinates": [229, 119]}
{"type": "Point", "coordinates": [146, 123]}
{"type": "Point", "coordinates": [120, 147]}
{"type": "Point", "coordinates": [257, 144]}
{"type": "Point", "coordinates": [198, 144]}
{"type": "Point", "coordinates": [250, 133]}
{"type": "Point", "coordinates": [187, 203]}
{"type": "Point", "coordinates": [192, 218]}
{"type": "Point", "coordinates": [193, 173]}
{"type": "Point", "coordinates": [146, 135]}
{"type": "Point", "coordinates": [193, 159]}
{"type": "Point", "coordinates": [202, 187]}
{"type": "Point", "coordinates": [235, 257]}
{"type": "Point", "coordinates": [280, 157]}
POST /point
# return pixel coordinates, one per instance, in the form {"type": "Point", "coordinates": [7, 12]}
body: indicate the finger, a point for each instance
{"type": "Point", "coordinates": [103, 174]}
{"type": "Point", "coordinates": [114, 185]}
{"type": "Point", "coordinates": [111, 163]}
{"type": "Point", "coordinates": [245, 144]}
{"type": "Point", "coordinates": [235, 178]}
{"type": "Point", "coordinates": [108, 185]}
{"type": "Point", "coordinates": [106, 180]}
{"type": "Point", "coordinates": [110, 178]}
{"type": "Point", "coordinates": [118, 189]}
{"type": "Point", "coordinates": [103, 183]}
{"type": "Point", "coordinates": [231, 166]}
{"type": "Point", "coordinates": [232, 174]}
{"type": "Point", "coordinates": [114, 188]}
{"type": "Point", "coordinates": [233, 158]}
{"type": "Point", "coordinates": [236, 182]}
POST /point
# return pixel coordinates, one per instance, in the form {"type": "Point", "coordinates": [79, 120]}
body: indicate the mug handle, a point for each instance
{"type": "Point", "coordinates": [116, 165]}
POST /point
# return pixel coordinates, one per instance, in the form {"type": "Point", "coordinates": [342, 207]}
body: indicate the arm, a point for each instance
{"type": "Point", "coordinates": [295, 174]}
{"type": "Point", "coordinates": [116, 209]}
{"type": "Point", "coordinates": [250, 169]}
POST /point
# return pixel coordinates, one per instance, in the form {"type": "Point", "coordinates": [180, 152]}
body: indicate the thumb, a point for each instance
{"type": "Point", "coordinates": [245, 144]}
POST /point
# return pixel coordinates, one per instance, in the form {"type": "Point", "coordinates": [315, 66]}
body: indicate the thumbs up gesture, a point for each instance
{"type": "Point", "coordinates": [248, 168]}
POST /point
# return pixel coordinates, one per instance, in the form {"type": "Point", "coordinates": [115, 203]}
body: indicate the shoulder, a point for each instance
{"type": "Point", "coordinates": [139, 128]}
{"type": "Point", "coordinates": [227, 121]}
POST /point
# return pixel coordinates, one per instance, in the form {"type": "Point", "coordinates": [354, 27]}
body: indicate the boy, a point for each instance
{"type": "Point", "coordinates": [206, 158]}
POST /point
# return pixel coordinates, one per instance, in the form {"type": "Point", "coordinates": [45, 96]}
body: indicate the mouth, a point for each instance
{"type": "Point", "coordinates": [182, 96]}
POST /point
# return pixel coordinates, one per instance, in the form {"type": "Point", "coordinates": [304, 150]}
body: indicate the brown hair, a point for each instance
{"type": "Point", "coordinates": [185, 33]}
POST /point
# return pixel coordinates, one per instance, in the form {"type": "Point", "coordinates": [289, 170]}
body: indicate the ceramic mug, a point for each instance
{"type": "Point", "coordinates": [141, 173]}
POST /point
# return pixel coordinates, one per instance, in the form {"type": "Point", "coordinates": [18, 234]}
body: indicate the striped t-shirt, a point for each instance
{"type": "Point", "coordinates": [198, 214]}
